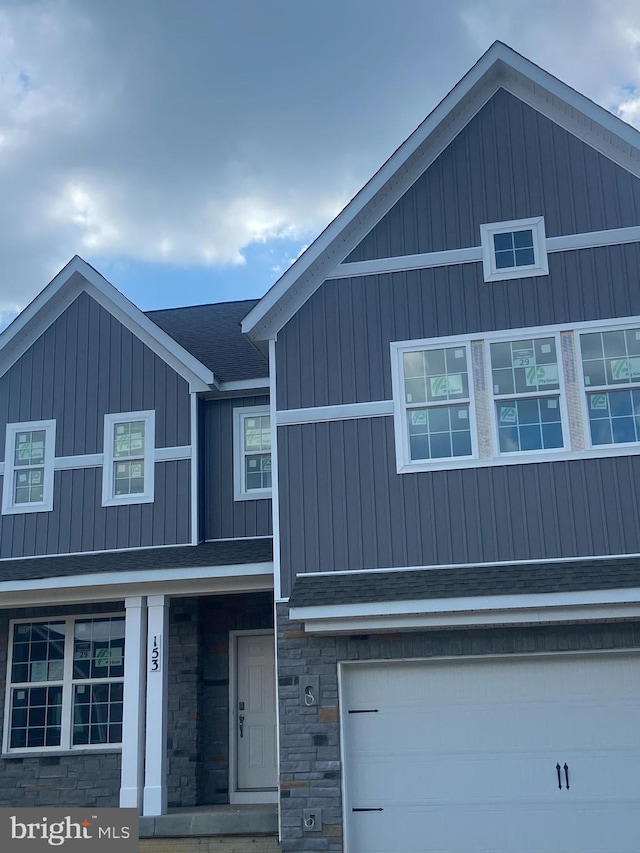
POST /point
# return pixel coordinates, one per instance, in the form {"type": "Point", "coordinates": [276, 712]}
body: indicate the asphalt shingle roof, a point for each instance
{"type": "Point", "coordinates": [225, 553]}
{"type": "Point", "coordinates": [418, 584]}
{"type": "Point", "coordinates": [213, 335]}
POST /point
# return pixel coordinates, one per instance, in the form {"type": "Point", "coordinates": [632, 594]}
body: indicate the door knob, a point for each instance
{"type": "Point", "coordinates": [241, 721]}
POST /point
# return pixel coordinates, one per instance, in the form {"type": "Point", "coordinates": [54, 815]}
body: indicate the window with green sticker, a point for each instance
{"type": "Point", "coordinates": [252, 452]}
{"type": "Point", "coordinates": [29, 461]}
{"type": "Point", "coordinates": [436, 397]}
{"type": "Point", "coordinates": [65, 681]}
{"type": "Point", "coordinates": [611, 374]}
{"type": "Point", "coordinates": [128, 470]}
{"type": "Point", "coordinates": [523, 372]}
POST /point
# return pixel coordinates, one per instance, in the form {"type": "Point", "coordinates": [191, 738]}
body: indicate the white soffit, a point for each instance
{"type": "Point", "coordinates": [78, 276]}
{"type": "Point", "coordinates": [499, 67]}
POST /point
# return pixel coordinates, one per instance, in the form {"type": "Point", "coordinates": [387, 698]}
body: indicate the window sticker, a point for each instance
{"type": "Point", "coordinates": [625, 368]}
{"type": "Point", "coordinates": [507, 414]}
{"type": "Point", "coordinates": [542, 374]}
{"type": "Point", "coordinates": [56, 670]}
{"type": "Point", "coordinates": [418, 417]}
{"type": "Point", "coordinates": [442, 386]}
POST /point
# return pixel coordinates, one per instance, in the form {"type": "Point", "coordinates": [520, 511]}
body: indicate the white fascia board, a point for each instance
{"type": "Point", "coordinates": [491, 609]}
{"type": "Point", "coordinates": [60, 293]}
{"type": "Point", "coordinates": [245, 384]}
{"type": "Point", "coordinates": [107, 586]}
{"type": "Point", "coordinates": [499, 67]}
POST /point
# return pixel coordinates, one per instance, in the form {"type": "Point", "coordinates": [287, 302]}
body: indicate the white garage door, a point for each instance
{"type": "Point", "coordinates": [469, 756]}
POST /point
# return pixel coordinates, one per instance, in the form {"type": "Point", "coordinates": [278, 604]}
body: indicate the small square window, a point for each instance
{"type": "Point", "coordinates": [514, 249]}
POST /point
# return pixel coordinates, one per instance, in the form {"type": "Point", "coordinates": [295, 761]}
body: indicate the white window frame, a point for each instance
{"type": "Point", "coordinates": [540, 266]}
{"type": "Point", "coordinates": [109, 498]}
{"type": "Point", "coordinates": [9, 507]}
{"type": "Point", "coordinates": [68, 682]}
{"type": "Point", "coordinates": [241, 493]}
{"type": "Point", "coordinates": [575, 430]}
{"type": "Point", "coordinates": [403, 450]}
{"type": "Point", "coordinates": [533, 334]}
{"type": "Point", "coordinates": [590, 389]}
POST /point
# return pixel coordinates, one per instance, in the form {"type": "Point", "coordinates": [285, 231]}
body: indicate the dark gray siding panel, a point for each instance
{"type": "Point", "coordinates": [510, 162]}
{"type": "Point", "coordinates": [85, 365]}
{"type": "Point", "coordinates": [224, 517]}
{"type": "Point", "coordinates": [336, 348]}
{"type": "Point", "coordinates": [79, 522]}
{"type": "Point", "coordinates": [346, 508]}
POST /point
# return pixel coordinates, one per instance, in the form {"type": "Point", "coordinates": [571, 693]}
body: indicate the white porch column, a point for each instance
{"type": "Point", "coordinates": [155, 781]}
{"type": "Point", "coordinates": [135, 637]}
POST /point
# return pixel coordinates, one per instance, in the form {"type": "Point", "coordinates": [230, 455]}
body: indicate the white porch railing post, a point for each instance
{"type": "Point", "coordinates": [155, 776]}
{"type": "Point", "coordinates": [132, 772]}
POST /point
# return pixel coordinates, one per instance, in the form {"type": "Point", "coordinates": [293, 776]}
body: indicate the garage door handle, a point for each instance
{"type": "Point", "coordinates": [566, 774]}
{"type": "Point", "coordinates": [558, 770]}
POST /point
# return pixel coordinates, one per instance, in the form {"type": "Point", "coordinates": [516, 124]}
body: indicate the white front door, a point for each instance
{"type": "Point", "coordinates": [254, 717]}
{"type": "Point", "coordinates": [520, 755]}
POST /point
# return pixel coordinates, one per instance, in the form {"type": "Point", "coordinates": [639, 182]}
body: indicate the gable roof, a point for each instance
{"type": "Point", "coordinates": [78, 276]}
{"type": "Point", "coordinates": [213, 335]}
{"type": "Point", "coordinates": [499, 67]}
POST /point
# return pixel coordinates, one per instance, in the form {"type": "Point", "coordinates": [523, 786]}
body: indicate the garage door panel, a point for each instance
{"type": "Point", "coordinates": [461, 755]}
{"type": "Point", "coordinates": [484, 829]}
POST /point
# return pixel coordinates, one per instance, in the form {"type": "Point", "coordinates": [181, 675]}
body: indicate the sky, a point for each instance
{"type": "Point", "coordinates": [190, 150]}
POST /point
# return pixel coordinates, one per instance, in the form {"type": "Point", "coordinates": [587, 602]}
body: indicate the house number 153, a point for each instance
{"type": "Point", "coordinates": [155, 658]}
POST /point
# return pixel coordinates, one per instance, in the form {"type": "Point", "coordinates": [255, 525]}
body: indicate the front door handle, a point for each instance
{"type": "Point", "coordinates": [241, 721]}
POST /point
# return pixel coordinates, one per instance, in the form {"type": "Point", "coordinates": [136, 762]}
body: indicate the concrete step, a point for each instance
{"type": "Point", "coordinates": [207, 822]}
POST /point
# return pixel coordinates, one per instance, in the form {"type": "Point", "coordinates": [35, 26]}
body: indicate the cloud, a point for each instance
{"type": "Point", "coordinates": [186, 134]}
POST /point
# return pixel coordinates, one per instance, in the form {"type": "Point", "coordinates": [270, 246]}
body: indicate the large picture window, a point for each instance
{"type": "Point", "coordinates": [129, 444]}
{"type": "Point", "coordinates": [28, 467]}
{"type": "Point", "coordinates": [517, 396]}
{"type": "Point", "coordinates": [65, 684]}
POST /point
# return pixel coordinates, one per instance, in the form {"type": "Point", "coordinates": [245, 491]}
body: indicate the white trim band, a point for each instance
{"type": "Point", "coordinates": [564, 243]}
{"type": "Point", "coordinates": [348, 411]}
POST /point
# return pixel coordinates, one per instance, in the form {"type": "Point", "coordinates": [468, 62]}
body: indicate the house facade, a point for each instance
{"type": "Point", "coordinates": [414, 462]}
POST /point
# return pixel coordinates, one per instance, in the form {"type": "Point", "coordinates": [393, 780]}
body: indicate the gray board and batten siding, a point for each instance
{"type": "Point", "coordinates": [224, 517]}
{"type": "Point", "coordinates": [345, 505]}
{"type": "Point", "coordinates": [509, 162]}
{"type": "Point", "coordinates": [87, 364]}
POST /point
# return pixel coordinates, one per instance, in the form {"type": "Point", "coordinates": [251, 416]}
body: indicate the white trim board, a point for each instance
{"type": "Point", "coordinates": [499, 67]}
{"type": "Point", "coordinates": [473, 254]}
{"type": "Point", "coordinates": [110, 586]}
{"type": "Point", "coordinates": [538, 608]}
{"type": "Point", "coordinates": [348, 411]}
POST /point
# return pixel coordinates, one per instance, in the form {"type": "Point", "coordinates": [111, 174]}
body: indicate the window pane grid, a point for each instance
{"type": "Point", "coordinates": [38, 652]}
{"type": "Point", "coordinates": [532, 424]}
{"type": "Point", "coordinates": [257, 433]}
{"type": "Point", "coordinates": [436, 375]}
{"type": "Point", "coordinates": [254, 459]}
{"type": "Point", "coordinates": [97, 713]}
{"type": "Point", "coordinates": [440, 432]}
{"type": "Point", "coordinates": [36, 714]}
{"type": "Point", "coordinates": [98, 648]}
{"type": "Point", "coordinates": [28, 476]}
{"type": "Point", "coordinates": [128, 440]}
{"type": "Point", "coordinates": [92, 693]}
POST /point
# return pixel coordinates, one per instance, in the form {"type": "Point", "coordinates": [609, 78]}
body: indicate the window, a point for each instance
{"type": "Point", "coordinates": [252, 453]}
{"type": "Point", "coordinates": [514, 249]}
{"type": "Point", "coordinates": [129, 444]}
{"type": "Point", "coordinates": [436, 396]}
{"type": "Point", "coordinates": [65, 684]}
{"type": "Point", "coordinates": [526, 390]}
{"type": "Point", "coordinates": [611, 372]}
{"type": "Point", "coordinates": [28, 467]}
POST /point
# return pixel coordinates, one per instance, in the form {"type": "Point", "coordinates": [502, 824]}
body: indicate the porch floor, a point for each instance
{"type": "Point", "coordinates": [226, 820]}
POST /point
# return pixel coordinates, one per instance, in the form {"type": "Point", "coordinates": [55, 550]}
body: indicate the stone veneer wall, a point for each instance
{"type": "Point", "coordinates": [310, 768]}
{"type": "Point", "coordinates": [67, 779]}
{"type": "Point", "coordinates": [219, 615]}
{"type": "Point", "coordinates": [198, 720]}
{"type": "Point", "coordinates": [183, 734]}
